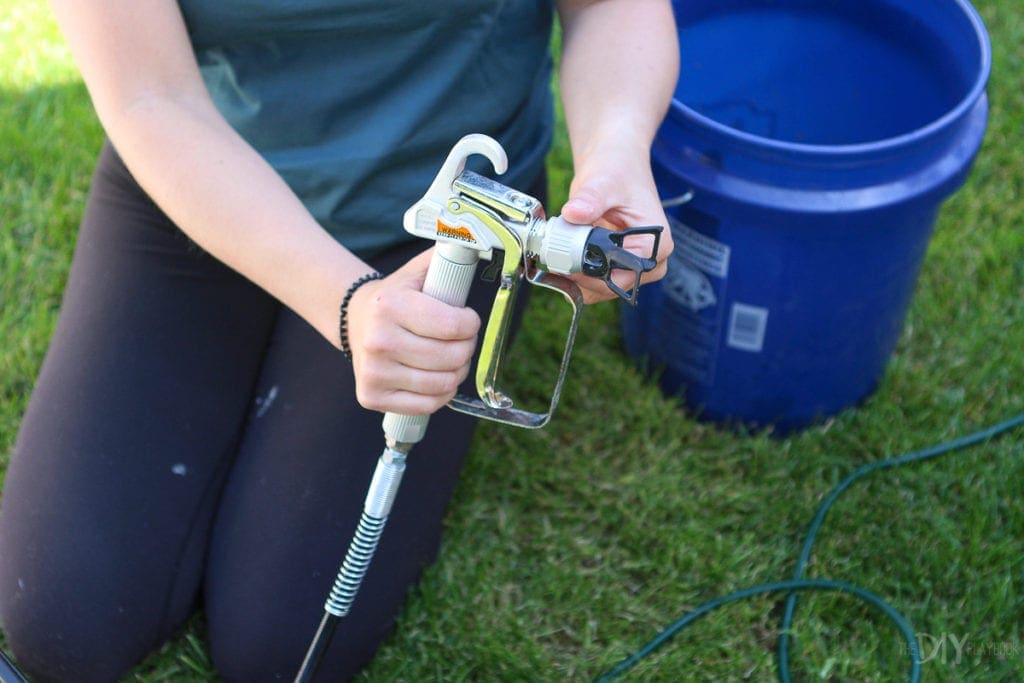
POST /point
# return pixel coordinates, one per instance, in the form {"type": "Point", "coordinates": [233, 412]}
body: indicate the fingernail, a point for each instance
{"type": "Point", "coordinates": [581, 205]}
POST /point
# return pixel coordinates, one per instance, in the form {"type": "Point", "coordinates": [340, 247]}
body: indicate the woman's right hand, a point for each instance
{"type": "Point", "coordinates": [410, 352]}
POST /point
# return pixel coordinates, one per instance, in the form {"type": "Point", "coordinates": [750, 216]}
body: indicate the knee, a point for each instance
{"type": "Point", "coordinates": [65, 626]}
{"type": "Point", "coordinates": [48, 650]}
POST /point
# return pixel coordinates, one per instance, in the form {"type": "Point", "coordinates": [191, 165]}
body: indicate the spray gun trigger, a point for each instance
{"type": "Point", "coordinates": [492, 271]}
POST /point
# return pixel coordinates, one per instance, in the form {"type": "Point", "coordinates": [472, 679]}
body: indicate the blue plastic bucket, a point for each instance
{"type": "Point", "coordinates": [802, 164]}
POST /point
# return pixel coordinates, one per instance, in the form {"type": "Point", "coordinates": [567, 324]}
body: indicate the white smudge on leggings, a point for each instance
{"type": "Point", "coordinates": [263, 404]}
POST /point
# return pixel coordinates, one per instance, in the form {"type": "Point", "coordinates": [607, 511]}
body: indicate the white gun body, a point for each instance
{"type": "Point", "coordinates": [471, 217]}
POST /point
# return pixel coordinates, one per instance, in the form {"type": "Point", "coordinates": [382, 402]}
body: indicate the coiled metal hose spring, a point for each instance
{"type": "Point", "coordinates": [357, 562]}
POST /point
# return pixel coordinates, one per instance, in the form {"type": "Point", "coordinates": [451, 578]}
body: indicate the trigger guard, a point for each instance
{"type": "Point", "coordinates": [484, 408]}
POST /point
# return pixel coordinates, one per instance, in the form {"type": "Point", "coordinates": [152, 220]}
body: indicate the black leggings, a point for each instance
{"type": "Point", "coordinates": [187, 435]}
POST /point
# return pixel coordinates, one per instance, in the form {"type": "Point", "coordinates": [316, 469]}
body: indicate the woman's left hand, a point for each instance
{"type": "Point", "coordinates": [619, 66]}
{"type": "Point", "coordinates": [613, 188]}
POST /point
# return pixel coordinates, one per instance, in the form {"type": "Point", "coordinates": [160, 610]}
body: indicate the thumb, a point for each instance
{"type": "Point", "coordinates": [585, 205]}
{"type": "Point", "coordinates": [415, 269]}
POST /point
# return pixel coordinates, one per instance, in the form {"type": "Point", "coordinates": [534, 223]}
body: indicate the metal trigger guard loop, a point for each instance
{"type": "Point", "coordinates": [493, 404]}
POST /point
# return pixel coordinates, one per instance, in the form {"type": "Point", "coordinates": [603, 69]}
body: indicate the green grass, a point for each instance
{"type": "Point", "coordinates": [568, 548]}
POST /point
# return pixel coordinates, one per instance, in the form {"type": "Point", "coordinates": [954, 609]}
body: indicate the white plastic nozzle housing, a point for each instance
{"type": "Point", "coordinates": [562, 245]}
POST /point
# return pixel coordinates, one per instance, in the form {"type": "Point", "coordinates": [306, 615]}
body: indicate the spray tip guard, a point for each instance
{"type": "Point", "coordinates": [605, 253]}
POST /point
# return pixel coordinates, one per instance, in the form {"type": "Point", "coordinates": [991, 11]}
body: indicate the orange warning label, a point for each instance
{"type": "Point", "coordinates": [452, 232]}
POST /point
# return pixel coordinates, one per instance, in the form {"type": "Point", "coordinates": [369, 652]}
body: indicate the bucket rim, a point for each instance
{"type": "Point", "coordinates": [963, 107]}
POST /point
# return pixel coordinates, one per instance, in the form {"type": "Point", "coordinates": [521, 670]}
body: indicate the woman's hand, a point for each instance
{"type": "Point", "coordinates": [620, 61]}
{"type": "Point", "coordinates": [613, 188]}
{"type": "Point", "coordinates": [410, 352]}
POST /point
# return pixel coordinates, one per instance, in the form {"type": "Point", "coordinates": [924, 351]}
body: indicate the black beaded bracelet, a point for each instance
{"type": "Point", "coordinates": [346, 350]}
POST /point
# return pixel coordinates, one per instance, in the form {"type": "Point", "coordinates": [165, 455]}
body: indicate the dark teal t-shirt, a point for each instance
{"type": "Point", "coordinates": [356, 103]}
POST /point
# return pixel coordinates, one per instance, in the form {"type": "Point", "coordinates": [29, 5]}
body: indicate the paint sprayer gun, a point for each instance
{"type": "Point", "coordinates": [473, 218]}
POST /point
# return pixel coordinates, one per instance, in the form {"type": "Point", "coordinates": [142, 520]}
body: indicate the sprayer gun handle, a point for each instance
{"type": "Point", "coordinates": [449, 279]}
{"type": "Point", "coordinates": [452, 266]}
{"type": "Point", "coordinates": [605, 253]}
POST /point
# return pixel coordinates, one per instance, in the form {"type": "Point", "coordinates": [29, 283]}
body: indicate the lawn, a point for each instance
{"type": "Point", "coordinates": [568, 548]}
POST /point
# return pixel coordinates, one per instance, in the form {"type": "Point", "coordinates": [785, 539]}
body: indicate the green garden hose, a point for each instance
{"type": "Point", "coordinates": [798, 583]}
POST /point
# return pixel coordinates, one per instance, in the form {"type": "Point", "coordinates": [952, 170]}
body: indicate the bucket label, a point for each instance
{"type": "Point", "coordinates": [747, 325]}
{"type": "Point", "coordinates": [701, 251]}
{"type": "Point", "coordinates": [694, 285]}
